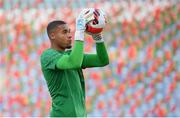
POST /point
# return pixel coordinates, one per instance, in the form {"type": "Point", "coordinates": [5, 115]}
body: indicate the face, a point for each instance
{"type": "Point", "coordinates": [61, 37]}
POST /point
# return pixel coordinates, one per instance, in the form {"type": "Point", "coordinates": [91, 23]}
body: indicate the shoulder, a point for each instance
{"type": "Point", "coordinates": [49, 57]}
{"type": "Point", "coordinates": [49, 54]}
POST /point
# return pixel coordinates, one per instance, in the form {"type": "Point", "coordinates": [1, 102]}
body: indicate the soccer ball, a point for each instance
{"type": "Point", "coordinates": [96, 26]}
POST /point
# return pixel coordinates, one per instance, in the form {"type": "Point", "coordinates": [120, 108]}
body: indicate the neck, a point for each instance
{"type": "Point", "coordinates": [54, 46]}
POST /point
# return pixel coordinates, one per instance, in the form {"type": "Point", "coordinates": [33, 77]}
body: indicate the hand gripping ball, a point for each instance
{"type": "Point", "coordinates": [96, 25]}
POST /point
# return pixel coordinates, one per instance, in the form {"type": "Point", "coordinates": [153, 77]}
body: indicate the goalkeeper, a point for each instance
{"type": "Point", "coordinates": [62, 68]}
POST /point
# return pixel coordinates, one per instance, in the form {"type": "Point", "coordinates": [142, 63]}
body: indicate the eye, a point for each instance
{"type": "Point", "coordinates": [65, 31]}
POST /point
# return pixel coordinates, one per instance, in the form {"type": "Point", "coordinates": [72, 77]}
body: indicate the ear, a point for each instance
{"type": "Point", "coordinates": [52, 35]}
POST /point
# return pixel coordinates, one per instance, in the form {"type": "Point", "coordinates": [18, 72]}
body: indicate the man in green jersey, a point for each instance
{"type": "Point", "coordinates": [62, 68]}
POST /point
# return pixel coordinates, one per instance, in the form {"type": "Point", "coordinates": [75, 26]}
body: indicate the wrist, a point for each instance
{"type": "Point", "coordinates": [79, 35]}
{"type": "Point", "coordinates": [100, 41]}
{"type": "Point", "coordinates": [98, 38]}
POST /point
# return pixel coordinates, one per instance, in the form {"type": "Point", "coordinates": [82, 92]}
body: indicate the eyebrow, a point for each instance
{"type": "Point", "coordinates": [66, 30]}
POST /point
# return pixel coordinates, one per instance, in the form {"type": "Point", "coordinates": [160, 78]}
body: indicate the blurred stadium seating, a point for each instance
{"type": "Point", "coordinates": [143, 41]}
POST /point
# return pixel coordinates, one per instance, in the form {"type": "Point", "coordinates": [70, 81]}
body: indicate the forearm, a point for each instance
{"type": "Point", "coordinates": [74, 60]}
{"type": "Point", "coordinates": [76, 56]}
{"type": "Point", "coordinates": [102, 53]}
{"type": "Point", "coordinates": [96, 60]}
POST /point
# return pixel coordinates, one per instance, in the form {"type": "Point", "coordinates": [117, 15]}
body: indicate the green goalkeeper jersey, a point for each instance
{"type": "Point", "coordinates": [64, 77]}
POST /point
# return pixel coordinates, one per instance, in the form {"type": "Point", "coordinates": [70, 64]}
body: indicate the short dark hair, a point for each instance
{"type": "Point", "coordinates": [53, 24]}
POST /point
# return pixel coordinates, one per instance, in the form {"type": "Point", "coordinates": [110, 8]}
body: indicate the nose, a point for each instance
{"type": "Point", "coordinates": [69, 36]}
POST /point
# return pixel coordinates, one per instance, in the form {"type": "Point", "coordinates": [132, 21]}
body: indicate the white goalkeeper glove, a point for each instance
{"type": "Point", "coordinates": [100, 19]}
{"type": "Point", "coordinates": [84, 17]}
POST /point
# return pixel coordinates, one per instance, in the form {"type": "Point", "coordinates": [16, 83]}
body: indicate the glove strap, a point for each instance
{"type": "Point", "coordinates": [79, 35]}
{"type": "Point", "coordinates": [98, 38]}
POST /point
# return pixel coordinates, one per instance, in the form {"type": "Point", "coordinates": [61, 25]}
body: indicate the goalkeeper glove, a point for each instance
{"type": "Point", "coordinates": [84, 17]}
{"type": "Point", "coordinates": [101, 23]}
{"type": "Point", "coordinates": [100, 19]}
